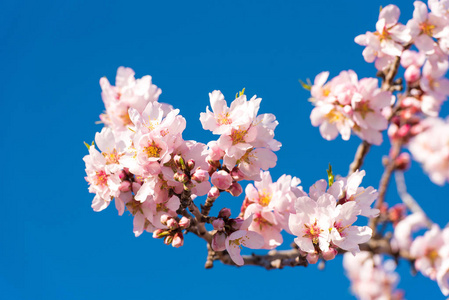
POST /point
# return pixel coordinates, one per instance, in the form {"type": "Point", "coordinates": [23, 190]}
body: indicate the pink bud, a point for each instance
{"type": "Point", "coordinates": [168, 240]}
{"type": "Point", "coordinates": [136, 187]}
{"type": "Point", "coordinates": [221, 180]}
{"type": "Point", "coordinates": [235, 189]}
{"type": "Point", "coordinates": [215, 152]}
{"type": "Point", "coordinates": [412, 74]}
{"type": "Point", "coordinates": [224, 213]}
{"type": "Point", "coordinates": [403, 161]}
{"type": "Point", "coordinates": [122, 174]}
{"type": "Point", "coordinates": [179, 162]}
{"type": "Point", "coordinates": [172, 224]}
{"type": "Point", "coordinates": [178, 240]}
{"type": "Point", "coordinates": [165, 218]}
{"type": "Point", "coordinates": [125, 186]}
{"type": "Point", "coordinates": [404, 130]}
{"type": "Point", "coordinates": [181, 177]}
{"type": "Point", "coordinates": [312, 258]}
{"type": "Point", "coordinates": [213, 193]}
{"type": "Point", "coordinates": [190, 164]}
{"type": "Point", "coordinates": [219, 241]}
{"type": "Point", "coordinates": [330, 254]}
{"type": "Point", "coordinates": [218, 224]}
{"type": "Point", "coordinates": [184, 222]}
{"type": "Point", "coordinates": [200, 175]}
{"type": "Point", "coordinates": [348, 110]}
{"type": "Point", "coordinates": [236, 223]}
{"type": "Point", "coordinates": [397, 213]}
{"type": "Point", "coordinates": [237, 175]}
{"type": "Point", "coordinates": [160, 233]}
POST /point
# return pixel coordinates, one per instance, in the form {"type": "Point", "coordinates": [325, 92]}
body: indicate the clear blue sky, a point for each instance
{"type": "Point", "coordinates": [53, 53]}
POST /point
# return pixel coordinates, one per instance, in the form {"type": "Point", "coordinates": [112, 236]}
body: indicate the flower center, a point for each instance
{"type": "Point", "coordinates": [427, 28]}
{"type": "Point", "coordinates": [238, 136]}
{"type": "Point", "coordinates": [101, 178]}
{"type": "Point", "coordinates": [223, 119]}
{"type": "Point", "coordinates": [312, 231]}
{"type": "Point", "coordinates": [153, 150]}
{"type": "Point", "coordinates": [264, 198]}
{"type": "Point", "coordinates": [334, 116]}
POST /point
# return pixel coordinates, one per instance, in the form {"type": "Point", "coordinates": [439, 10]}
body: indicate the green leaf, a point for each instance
{"type": "Point", "coordinates": [240, 93]}
{"type": "Point", "coordinates": [88, 146]}
{"type": "Point", "coordinates": [306, 86]}
{"type": "Point", "coordinates": [330, 176]}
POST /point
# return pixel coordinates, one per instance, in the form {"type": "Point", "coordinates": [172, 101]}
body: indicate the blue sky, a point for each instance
{"type": "Point", "coordinates": [53, 246]}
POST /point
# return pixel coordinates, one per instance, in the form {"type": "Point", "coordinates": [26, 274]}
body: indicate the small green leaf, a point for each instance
{"type": "Point", "coordinates": [306, 86]}
{"type": "Point", "coordinates": [380, 8]}
{"type": "Point", "coordinates": [330, 176]}
{"type": "Point", "coordinates": [88, 146]}
{"type": "Point", "coordinates": [240, 93]}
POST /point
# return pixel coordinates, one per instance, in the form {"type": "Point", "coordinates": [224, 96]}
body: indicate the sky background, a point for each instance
{"type": "Point", "coordinates": [53, 53]}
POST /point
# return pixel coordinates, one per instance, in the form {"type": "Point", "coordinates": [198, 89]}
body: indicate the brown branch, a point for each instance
{"type": "Point", "coordinates": [205, 209]}
{"type": "Point", "coordinates": [385, 180]}
{"type": "Point", "coordinates": [360, 154]}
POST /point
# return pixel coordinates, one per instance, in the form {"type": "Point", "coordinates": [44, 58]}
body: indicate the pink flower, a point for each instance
{"type": "Point", "coordinates": [127, 93]}
{"type": "Point", "coordinates": [424, 26]}
{"type": "Point", "coordinates": [243, 237]}
{"type": "Point", "coordinates": [388, 40]}
{"type": "Point", "coordinates": [431, 149]}
{"type": "Point", "coordinates": [311, 223]}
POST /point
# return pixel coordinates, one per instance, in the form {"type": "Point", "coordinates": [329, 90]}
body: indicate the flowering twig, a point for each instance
{"type": "Point", "coordinates": [408, 200]}
{"type": "Point", "coordinates": [360, 154]}
{"type": "Point", "coordinates": [385, 180]}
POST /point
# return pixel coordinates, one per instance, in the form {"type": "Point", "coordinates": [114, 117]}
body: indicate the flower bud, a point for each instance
{"type": "Point", "coordinates": [125, 186]}
{"type": "Point", "coordinates": [402, 162]}
{"type": "Point", "coordinates": [160, 233]}
{"type": "Point", "coordinates": [235, 189]}
{"type": "Point", "coordinates": [330, 254]}
{"type": "Point", "coordinates": [178, 240]}
{"type": "Point", "coordinates": [397, 213]}
{"type": "Point", "coordinates": [213, 193]}
{"type": "Point", "coordinates": [237, 175]}
{"type": "Point", "coordinates": [190, 164]}
{"type": "Point", "coordinates": [224, 213]}
{"type": "Point", "coordinates": [236, 223]}
{"type": "Point", "coordinates": [403, 130]}
{"type": "Point", "coordinates": [179, 161]}
{"type": "Point", "coordinates": [312, 258]}
{"type": "Point", "coordinates": [184, 222]}
{"type": "Point", "coordinates": [181, 177]}
{"type": "Point", "coordinates": [219, 241]}
{"type": "Point", "coordinates": [122, 174]}
{"type": "Point", "coordinates": [172, 224]}
{"type": "Point", "coordinates": [218, 224]}
{"type": "Point", "coordinates": [412, 74]}
{"type": "Point", "coordinates": [165, 218]}
{"type": "Point", "coordinates": [200, 175]}
{"type": "Point", "coordinates": [168, 240]}
{"type": "Point", "coordinates": [221, 179]}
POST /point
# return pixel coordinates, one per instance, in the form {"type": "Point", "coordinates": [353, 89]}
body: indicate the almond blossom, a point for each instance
{"type": "Point", "coordinates": [387, 41]}
{"type": "Point", "coordinates": [128, 92]}
{"type": "Point", "coordinates": [346, 105]}
{"type": "Point", "coordinates": [431, 149]}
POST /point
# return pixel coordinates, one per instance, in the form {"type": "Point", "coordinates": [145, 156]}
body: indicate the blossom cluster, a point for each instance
{"type": "Point", "coordinates": [431, 149]}
{"type": "Point", "coordinates": [430, 251]}
{"type": "Point", "coordinates": [371, 278]}
{"type": "Point", "coordinates": [346, 104]}
{"type": "Point", "coordinates": [322, 221]}
{"type": "Point", "coordinates": [144, 164]}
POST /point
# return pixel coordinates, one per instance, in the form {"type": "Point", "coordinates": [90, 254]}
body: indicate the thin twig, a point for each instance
{"type": "Point", "coordinates": [408, 200]}
{"type": "Point", "coordinates": [360, 154]}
